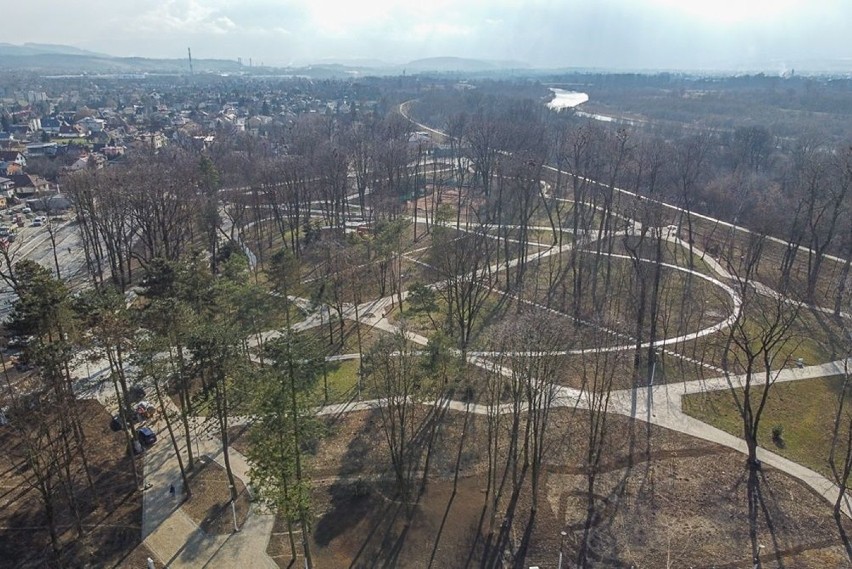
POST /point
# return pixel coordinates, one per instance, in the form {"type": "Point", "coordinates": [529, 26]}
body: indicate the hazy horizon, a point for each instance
{"type": "Point", "coordinates": [615, 34]}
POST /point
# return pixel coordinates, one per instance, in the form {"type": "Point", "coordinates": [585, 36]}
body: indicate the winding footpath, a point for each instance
{"type": "Point", "coordinates": [178, 541]}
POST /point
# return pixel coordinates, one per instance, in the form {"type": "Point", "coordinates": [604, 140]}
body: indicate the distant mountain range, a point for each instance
{"type": "Point", "coordinates": [48, 58]}
{"type": "Point", "coordinates": [64, 59]}
{"type": "Point", "coordinates": [8, 49]}
{"type": "Point", "coordinates": [450, 64]}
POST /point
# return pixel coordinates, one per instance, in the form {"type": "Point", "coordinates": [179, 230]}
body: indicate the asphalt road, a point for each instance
{"type": "Point", "coordinates": [34, 243]}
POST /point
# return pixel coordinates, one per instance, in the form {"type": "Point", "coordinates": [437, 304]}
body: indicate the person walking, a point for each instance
{"type": "Point", "coordinates": [172, 490]}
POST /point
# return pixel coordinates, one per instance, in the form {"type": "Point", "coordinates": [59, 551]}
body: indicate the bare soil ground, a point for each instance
{"type": "Point", "coordinates": [210, 505]}
{"type": "Point", "coordinates": [659, 496]}
{"type": "Point", "coordinates": [138, 558]}
{"type": "Point", "coordinates": [112, 517]}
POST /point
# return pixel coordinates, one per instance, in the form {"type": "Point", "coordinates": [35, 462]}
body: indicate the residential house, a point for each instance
{"type": "Point", "coordinates": [91, 124]}
{"type": "Point", "coordinates": [11, 162]}
{"type": "Point", "coordinates": [21, 131]}
{"type": "Point", "coordinates": [94, 160]}
{"type": "Point", "coordinates": [10, 168]}
{"type": "Point", "coordinates": [6, 191]}
{"type": "Point", "coordinates": [27, 185]}
{"type": "Point", "coordinates": [113, 152]}
{"type": "Point", "coordinates": [51, 126]}
{"type": "Point", "coordinates": [42, 149]}
{"type": "Point", "coordinates": [70, 131]}
{"type": "Point", "coordinates": [154, 140]}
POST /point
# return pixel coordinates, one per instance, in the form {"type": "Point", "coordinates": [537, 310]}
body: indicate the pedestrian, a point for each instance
{"type": "Point", "coordinates": [172, 490]}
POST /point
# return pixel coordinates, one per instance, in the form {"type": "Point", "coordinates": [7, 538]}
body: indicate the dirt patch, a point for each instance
{"type": "Point", "coordinates": [658, 495]}
{"type": "Point", "coordinates": [210, 505]}
{"type": "Point", "coordinates": [238, 438]}
{"type": "Point", "coordinates": [138, 558]}
{"type": "Point", "coordinates": [111, 516]}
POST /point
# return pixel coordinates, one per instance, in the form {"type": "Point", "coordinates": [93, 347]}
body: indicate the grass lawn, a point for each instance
{"type": "Point", "coordinates": [342, 378]}
{"type": "Point", "coordinates": [804, 409]}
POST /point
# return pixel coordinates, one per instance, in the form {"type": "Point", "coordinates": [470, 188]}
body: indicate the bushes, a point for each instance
{"type": "Point", "coordinates": [778, 435]}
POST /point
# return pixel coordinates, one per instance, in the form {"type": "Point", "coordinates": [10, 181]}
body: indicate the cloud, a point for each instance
{"type": "Point", "coordinates": [606, 33]}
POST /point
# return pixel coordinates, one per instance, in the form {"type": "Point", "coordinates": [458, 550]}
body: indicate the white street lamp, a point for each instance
{"type": "Point", "coordinates": [561, 544]}
{"type": "Point", "coordinates": [233, 507]}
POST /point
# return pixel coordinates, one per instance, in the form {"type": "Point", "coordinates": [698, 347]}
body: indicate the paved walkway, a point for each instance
{"type": "Point", "coordinates": [659, 405]}
{"type": "Point", "coordinates": [173, 536]}
{"type": "Point", "coordinates": [662, 405]}
{"type": "Point", "coordinates": [178, 541]}
{"type": "Point", "coordinates": [170, 534]}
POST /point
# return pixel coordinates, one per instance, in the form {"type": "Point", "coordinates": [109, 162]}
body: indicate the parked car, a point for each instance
{"type": "Point", "coordinates": [16, 342]}
{"type": "Point", "coordinates": [136, 393]}
{"type": "Point", "coordinates": [146, 436]}
{"type": "Point", "coordinates": [37, 223]}
{"type": "Point", "coordinates": [117, 422]}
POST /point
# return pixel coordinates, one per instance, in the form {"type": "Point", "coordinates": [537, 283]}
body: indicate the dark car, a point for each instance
{"type": "Point", "coordinates": [136, 393]}
{"type": "Point", "coordinates": [117, 422]}
{"type": "Point", "coordinates": [146, 436]}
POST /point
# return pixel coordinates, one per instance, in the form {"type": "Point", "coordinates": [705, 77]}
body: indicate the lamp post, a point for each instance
{"type": "Point", "coordinates": [656, 353]}
{"type": "Point", "coordinates": [561, 544]}
{"type": "Point", "coordinates": [233, 507]}
{"type": "Point", "coordinates": [195, 428]}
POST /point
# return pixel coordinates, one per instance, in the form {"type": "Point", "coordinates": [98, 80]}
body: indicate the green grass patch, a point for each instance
{"type": "Point", "coordinates": [805, 410]}
{"type": "Point", "coordinates": [341, 379]}
{"type": "Point", "coordinates": [330, 342]}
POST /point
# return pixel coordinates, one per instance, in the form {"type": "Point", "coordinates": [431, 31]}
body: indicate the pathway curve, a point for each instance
{"type": "Point", "coordinates": [171, 535]}
{"type": "Point", "coordinates": [662, 405]}
{"type": "Point", "coordinates": [659, 405]}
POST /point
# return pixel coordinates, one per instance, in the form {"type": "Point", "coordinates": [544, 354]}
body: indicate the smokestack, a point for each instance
{"type": "Point", "coordinates": [189, 53]}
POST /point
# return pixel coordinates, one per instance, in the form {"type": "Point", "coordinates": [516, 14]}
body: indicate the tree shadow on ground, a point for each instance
{"type": "Point", "coordinates": [376, 515]}
{"type": "Point", "coordinates": [351, 500]}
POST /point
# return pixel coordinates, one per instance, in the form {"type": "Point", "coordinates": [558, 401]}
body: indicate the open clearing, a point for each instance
{"type": "Point", "coordinates": [805, 410]}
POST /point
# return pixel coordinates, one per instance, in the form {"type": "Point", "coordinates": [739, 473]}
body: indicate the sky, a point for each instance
{"type": "Point", "coordinates": [613, 34]}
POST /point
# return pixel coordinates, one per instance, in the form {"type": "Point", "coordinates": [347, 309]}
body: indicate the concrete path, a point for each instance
{"type": "Point", "coordinates": [179, 542]}
{"type": "Point", "coordinates": [662, 405]}
{"type": "Point", "coordinates": [173, 536]}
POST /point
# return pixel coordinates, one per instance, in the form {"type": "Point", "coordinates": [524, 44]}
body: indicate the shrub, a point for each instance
{"type": "Point", "coordinates": [778, 435]}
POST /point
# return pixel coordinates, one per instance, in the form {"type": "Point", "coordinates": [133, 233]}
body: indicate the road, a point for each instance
{"type": "Point", "coordinates": [34, 243]}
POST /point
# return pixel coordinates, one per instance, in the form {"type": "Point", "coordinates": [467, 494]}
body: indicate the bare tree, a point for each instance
{"type": "Point", "coordinates": [758, 338]}
{"type": "Point", "coordinates": [392, 371]}
{"type": "Point", "coordinates": [463, 262]}
{"type": "Point", "coordinates": [840, 454]}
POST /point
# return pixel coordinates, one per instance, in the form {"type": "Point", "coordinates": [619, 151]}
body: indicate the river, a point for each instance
{"type": "Point", "coordinates": [566, 99]}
